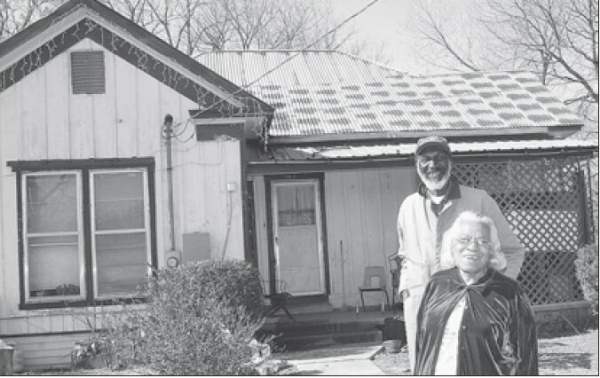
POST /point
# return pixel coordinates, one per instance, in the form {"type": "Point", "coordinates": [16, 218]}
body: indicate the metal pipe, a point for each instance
{"type": "Point", "coordinates": [168, 123]}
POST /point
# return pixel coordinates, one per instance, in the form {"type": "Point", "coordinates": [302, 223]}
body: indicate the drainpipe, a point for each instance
{"type": "Point", "coordinates": [168, 135]}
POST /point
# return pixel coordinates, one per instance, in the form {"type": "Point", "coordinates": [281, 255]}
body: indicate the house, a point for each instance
{"type": "Point", "coordinates": [87, 99]}
{"type": "Point", "coordinates": [120, 154]}
{"type": "Point", "coordinates": [326, 190]}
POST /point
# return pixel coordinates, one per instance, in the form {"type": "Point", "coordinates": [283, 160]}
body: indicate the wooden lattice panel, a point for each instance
{"type": "Point", "coordinates": [542, 201]}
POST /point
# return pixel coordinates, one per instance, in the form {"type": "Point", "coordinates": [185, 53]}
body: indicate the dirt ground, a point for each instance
{"type": "Point", "coordinates": [570, 355]}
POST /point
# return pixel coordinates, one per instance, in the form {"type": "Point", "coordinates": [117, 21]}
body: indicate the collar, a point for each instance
{"type": "Point", "coordinates": [480, 284]}
{"type": "Point", "coordinates": [453, 190]}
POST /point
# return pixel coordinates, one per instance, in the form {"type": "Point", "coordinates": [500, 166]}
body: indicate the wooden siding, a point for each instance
{"type": "Point", "coordinates": [361, 208]}
{"type": "Point", "coordinates": [41, 119]}
{"type": "Point", "coordinates": [43, 352]}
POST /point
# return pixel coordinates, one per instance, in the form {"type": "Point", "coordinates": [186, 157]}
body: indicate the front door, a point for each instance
{"type": "Point", "coordinates": [297, 237]}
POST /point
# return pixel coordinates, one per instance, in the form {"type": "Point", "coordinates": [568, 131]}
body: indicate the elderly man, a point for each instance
{"type": "Point", "coordinates": [473, 320]}
{"type": "Point", "coordinates": [425, 216]}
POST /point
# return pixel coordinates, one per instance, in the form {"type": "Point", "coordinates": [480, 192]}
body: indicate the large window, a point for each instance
{"type": "Point", "coordinates": [86, 234]}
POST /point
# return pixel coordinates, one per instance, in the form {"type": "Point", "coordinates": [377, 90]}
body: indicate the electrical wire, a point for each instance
{"type": "Point", "coordinates": [285, 61]}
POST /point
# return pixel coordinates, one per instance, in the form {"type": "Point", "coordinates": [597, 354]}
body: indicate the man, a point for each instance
{"type": "Point", "coordinates": [426, 215]}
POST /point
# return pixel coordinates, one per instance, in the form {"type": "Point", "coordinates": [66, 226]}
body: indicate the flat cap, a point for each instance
{"type": "Point", "coordinates": [438, 142]}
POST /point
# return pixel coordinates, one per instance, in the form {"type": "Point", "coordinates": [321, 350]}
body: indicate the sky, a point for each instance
{"type": "Point", "coordinates": [392, 25]}
{"type": "Point", "coordinates": [386, 25]}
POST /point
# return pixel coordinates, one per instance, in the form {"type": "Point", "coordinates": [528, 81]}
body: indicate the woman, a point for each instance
{"type": "Point", "coordinates": [473, 320]}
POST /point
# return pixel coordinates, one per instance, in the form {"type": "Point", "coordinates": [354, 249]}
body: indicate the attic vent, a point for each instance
{"type": "Point", "coordinates": [87, 72]}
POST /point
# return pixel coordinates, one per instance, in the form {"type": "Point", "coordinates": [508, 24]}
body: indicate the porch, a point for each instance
{"type": "Point", "coordinates": [542, 187]}
{"type": "Point", "coordinates": [311, 330]}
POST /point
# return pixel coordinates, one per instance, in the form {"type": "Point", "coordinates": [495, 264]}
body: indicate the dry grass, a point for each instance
{"type": "Point", "coordinates": [569, 355]}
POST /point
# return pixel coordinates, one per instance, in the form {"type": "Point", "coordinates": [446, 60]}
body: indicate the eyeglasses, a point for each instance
{"type": "Point", "coordinates": [467, 240]}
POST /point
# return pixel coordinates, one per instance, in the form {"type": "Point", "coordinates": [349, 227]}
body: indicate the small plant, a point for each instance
{"type": "Point", "coordinates": [200, 319]}
{"type": "Point", "coordinates": [586, 267]}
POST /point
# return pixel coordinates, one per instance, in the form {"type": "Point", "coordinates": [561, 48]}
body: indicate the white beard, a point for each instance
{"type": "Point", "coordinates": [432, 185]}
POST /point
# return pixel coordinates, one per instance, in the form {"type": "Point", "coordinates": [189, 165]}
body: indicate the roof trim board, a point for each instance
{"type": "Point", "coordinates": [557, 131]}
{"type": "Point", "coordinates": [259, 168]}
{"type": "Point", "coordinates": [521, 150]}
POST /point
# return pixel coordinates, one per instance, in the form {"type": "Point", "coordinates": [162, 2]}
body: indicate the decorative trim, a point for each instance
{"type": "Point", "coordinates": [87, 28]}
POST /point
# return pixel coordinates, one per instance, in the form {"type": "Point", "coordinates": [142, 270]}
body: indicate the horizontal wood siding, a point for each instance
{"type": "Point", "coordinates": [43, 352]}
{"type": "Point", "coordinates": [41, 119]}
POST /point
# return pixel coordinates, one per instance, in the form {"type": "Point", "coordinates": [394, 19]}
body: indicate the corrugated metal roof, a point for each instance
{"type": "Point", "coordinates": [329, 92]}
{"type": "Point", "coordinates": [407, 149]}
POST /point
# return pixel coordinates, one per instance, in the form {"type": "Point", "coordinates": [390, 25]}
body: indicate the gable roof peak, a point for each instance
{"type": "Point", "coordinates": [28, 50]}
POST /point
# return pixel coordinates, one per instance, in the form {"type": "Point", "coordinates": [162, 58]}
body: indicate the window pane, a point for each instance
{"type": "Point", "coordinates": [51, 203]}
{"type": "Point", "coordinates": [119, 200]}
{"type": "Point", "coordinates": [121, 262]}
{"type": "Point", "coordinates": [53, 266]}
{"type": "Point", "coordinates": [296, 205]}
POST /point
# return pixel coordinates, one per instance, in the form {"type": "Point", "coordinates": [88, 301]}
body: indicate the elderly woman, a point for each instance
{"type": "Point", "coordinates": [473, 320]}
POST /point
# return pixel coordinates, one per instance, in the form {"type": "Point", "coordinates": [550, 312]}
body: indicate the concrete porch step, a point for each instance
{"type": "Point", "coordinates": [317, 330]}
{"type": "Point", "coordinates": [285, 342]}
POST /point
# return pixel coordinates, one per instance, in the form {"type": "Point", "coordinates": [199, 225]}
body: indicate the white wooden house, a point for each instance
{"type": "Point", "coordinates": [302, 175]}
{"type": "Point", "coordinates": [84, 188]}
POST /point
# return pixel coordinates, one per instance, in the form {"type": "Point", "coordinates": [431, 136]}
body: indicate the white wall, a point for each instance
{"type": "Point", "coordinates": [361, 208]}
{"type": "Point", "coordinates": [41, 119]}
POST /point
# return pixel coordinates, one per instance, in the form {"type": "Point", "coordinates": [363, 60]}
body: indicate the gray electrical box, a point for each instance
{"type": "Point", "coordinates": [196, 247]}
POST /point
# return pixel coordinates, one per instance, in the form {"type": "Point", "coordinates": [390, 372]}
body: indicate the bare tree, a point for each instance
{"type": "Point", "coordinates": [557, 39]}
{"type": "Point", "coordinates": [198, 26]}
{"type": "Point", "coordinates": [16, 15]}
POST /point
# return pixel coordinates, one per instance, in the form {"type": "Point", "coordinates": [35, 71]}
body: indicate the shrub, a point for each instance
{"type": "Point", "coordinates": [199, 320]}
{"type": "Point", "coordinates": [586, 267]}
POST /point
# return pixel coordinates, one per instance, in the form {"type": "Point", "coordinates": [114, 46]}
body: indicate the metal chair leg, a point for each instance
{"type": "Point", "coordinates": [288, 313]}
{"type": "Point", "coordinates": [362, 300]}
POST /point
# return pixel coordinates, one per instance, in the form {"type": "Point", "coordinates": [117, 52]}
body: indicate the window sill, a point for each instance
{"type": "Point", "coordinates": [80, 303]}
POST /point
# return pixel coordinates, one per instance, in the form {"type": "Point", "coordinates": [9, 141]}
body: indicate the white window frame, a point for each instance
{"type": "Point", "coordinates": [79, 233]}
{"type": "Point", "coordinates": [94, 232]}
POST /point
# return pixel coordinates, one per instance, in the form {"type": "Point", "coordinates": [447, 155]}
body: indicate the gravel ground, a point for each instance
{"type": "Point", "coordinates": [570, 355]}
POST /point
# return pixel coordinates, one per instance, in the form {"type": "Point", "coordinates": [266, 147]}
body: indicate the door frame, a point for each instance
{"type": "Point", "coordinates": [320, 177]}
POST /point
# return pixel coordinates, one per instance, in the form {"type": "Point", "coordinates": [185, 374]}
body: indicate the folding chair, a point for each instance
{"type": "Point", "coordinates": [278, 300]}
{"type": "Point", "coordinates": [374, 280]}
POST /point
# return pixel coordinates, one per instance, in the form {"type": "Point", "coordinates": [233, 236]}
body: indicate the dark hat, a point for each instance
{"type": "Point", "coordinates": [440, 143]}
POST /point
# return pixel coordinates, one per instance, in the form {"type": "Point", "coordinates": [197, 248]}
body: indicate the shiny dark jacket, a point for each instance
{"type": "Point", "coordinates": [497, 334]}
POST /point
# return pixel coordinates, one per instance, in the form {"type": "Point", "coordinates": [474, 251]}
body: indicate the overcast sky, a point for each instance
{"type": "Point", "coordinates": [393, 23]}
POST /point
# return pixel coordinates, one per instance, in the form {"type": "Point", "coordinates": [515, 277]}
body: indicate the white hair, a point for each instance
{"type": "Point", "coordinates": [497, 259]}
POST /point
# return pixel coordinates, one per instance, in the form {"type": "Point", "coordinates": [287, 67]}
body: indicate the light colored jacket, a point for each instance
{"type": "Point", "coordinates": [420, 236]}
